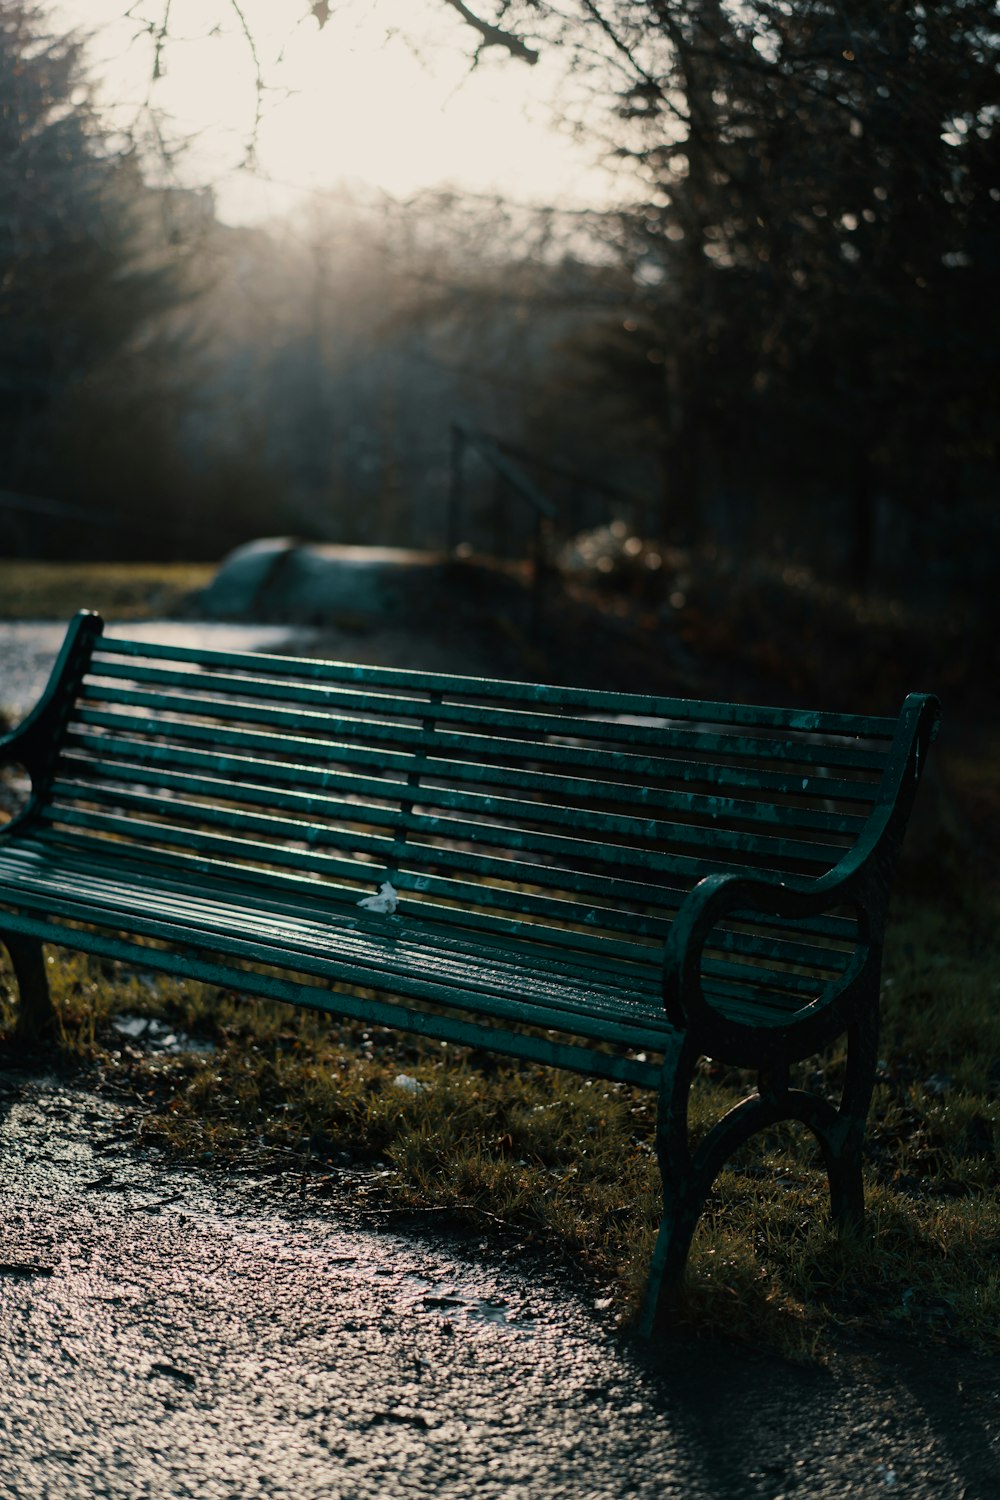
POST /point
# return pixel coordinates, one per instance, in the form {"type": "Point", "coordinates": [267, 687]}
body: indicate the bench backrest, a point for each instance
{"type": "Point", "coordinates": [578, 817]}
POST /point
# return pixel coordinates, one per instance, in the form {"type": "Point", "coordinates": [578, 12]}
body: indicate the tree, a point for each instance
{"type": "Point", "coordinates": [818, 233]}
{"type": "Point", "coordinates": [86, 282]}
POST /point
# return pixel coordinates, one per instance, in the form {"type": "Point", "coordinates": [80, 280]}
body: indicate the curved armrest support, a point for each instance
{"type": "Point", "coordinates": [719, 896]}
{"type": "Point", "coordinates": [860, 880]}
{"type": "Point", "coordinates": [817, 1022]}
{"type": "Point", "coordinates": [34, 741]}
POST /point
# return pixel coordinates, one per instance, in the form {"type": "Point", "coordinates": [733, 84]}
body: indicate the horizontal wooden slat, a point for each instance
{"type": "Point", "coordinates": [465, 902]}
{"type": "Point", "coordinates": [369, 961]}
{"type": "Point", "coordinates": [582, 929]}
{"type": "Point", "coordinates": [334, 722]}
{"type": "Point", "coordinates": [132, 760]}
{"type": "Point", "coordinates": [561, 948]}
{"type": "Point", "coordinates": [225, 859]}
{"type": "Point", "coordinates": [532, 991]}
{"type": "Point", "coordinates": [623, 998]}
{"type": "Point", "coordinates": [518, 827]}
{"type": "Point", "coordinates": [764, 981]}
{"type": "Point", "coordinates": [381, 751]}
{"type": "Point", "coordinates": [380, 852]}
{"type": "Point", "coordinates": [645, 911]}
{"type": "Point", "coordinates": [462, 1031]}
{"type": "Point", "coordinates": [187, 824]}
{"type": "Point", "coordinates": [397, 705]}
{"type": "Point", "coordinates": [488, 689]}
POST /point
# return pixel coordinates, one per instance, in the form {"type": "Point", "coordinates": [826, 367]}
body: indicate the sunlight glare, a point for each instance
{"type": "Point", "coordinates": [355, 102]}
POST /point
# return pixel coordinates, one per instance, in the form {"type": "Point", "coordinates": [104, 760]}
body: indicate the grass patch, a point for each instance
{"type": "Point", "coordinates": [118, 591]}
{"type": "Point", "coordinates": [526, 1154]}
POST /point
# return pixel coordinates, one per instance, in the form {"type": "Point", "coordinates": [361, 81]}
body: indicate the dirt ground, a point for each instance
{"type": "Point", "coordinates": [182, 1333]}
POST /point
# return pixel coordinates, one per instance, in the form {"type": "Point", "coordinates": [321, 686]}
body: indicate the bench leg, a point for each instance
{"type": "Point", "coordinates": [681, 1201]}
{"type": "Point", "coordinates": [36, 1019]}
{"type": "Point", "coordinates": [843, 1142]}
{"type": "Point", "coordinates": [688, 1178]}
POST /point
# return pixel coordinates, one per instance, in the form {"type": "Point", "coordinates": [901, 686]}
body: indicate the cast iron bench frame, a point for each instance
{"type": "Point", "coordinates": [124, 850]}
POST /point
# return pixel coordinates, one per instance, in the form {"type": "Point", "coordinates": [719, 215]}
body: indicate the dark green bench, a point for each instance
{"type": "Point", "coordinates": [610, 883]}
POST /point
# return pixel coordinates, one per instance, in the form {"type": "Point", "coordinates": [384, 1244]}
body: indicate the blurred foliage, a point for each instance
{"type": "Point", "coordinates": [753, 626]}
{"type": "Point", "coordinates": [102, 360]}
{"type": "Point", "coordinates": [90, 349]}
{"type": "Point", "coordinates": [784, 345]}
{"type": "Point", "coordinates": [811, 266]}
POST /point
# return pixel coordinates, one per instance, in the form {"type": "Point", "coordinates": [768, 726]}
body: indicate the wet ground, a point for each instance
{"type": "Point", "coordinates": [170, 1333]}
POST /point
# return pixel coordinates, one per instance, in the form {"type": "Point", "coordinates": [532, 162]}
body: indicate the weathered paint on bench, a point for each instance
{"type": "Point", "coordinates": [612, 883]}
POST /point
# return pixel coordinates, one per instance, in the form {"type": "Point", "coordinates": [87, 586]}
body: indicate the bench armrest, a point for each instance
{"type": "Point", "coordinates": [720, 896]}
{"type": "Point", "coordinates": [33, 742]}
{"type": "Point", "coordinates": [860, 880]}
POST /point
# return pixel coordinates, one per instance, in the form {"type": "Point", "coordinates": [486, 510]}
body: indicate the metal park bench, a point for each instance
{"type": "Point", "coordinates": [609, 883]}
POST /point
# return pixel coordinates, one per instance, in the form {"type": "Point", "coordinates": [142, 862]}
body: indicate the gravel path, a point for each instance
{"type": "Point", "coordinates": [165, 1333]}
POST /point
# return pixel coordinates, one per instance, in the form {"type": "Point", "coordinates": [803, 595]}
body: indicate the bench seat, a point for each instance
{"type": "Point", "coordinates": [430, 962]}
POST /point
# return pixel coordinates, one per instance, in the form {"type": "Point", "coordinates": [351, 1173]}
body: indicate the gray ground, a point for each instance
{"type": "Point", "coordinates": [165, 1333]}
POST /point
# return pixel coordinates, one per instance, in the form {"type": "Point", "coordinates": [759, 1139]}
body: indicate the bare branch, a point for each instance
{"type": "Point", "coordinates": [495, 36]}
{"type": "Point", "coordinates": [161, 37]}
{"type": "Point", "coordinates": [248, 37]}
{"type": "Point", "coordinates": [621, 46]}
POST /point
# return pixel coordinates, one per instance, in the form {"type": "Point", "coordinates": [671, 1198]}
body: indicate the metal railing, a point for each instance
{"type": "Point", "coordinates": [510, 481]}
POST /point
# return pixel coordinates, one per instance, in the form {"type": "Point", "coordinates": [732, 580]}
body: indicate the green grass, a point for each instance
{"type": "Point", "coordinates": [118, 591]}
{"type": "Point", "coordinates": [528, 1155]}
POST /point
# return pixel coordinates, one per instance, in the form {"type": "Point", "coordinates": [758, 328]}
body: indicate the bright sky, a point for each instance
{"type": "Point", "coordinates": [351, 103]}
